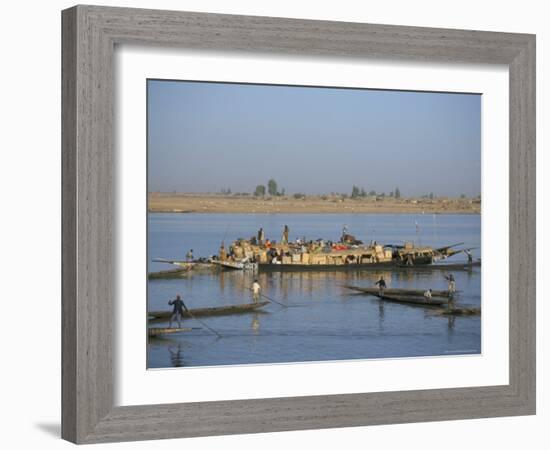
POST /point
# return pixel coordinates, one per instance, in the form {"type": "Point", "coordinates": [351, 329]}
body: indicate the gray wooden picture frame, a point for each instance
{"type": "Point", "coordinates": [89, 37]}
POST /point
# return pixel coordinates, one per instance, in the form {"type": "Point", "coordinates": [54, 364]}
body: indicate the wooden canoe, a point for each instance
{"type": "Point", "coordinates": [412, 299]}
{"type": "Point", "coordinates": [395, 291]}
{"type": "Point", "coordinates": [212, 311]}
{"type": "Point", "coordinates": [160, 331]}
{"type": "Point", "coordinates": [163, 274]}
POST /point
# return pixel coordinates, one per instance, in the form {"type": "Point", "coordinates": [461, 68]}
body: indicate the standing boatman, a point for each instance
{"type": "Point", "coordinates": [451, 286]}
{"type": "Point", "coordinates": [222, 253]}
{"type": "Point", "coordinates": [256, 291]}
{"type": "Point", "coordinates": [469, 255]}
{"type": "Point", "coordinates": [189, 255]}
{"type": "Point", "coordinates": [177, 312]}
{"type": "Point", "coordinates": [381, 285]}
{"type": "Point", "coordinates": [261, 236]}
{"type": "Point", "coordinates": [284, 240]}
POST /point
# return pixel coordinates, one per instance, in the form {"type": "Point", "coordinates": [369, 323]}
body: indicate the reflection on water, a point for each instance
{"type": "Point", "coordinates": [255, 325]}
{"type": "Point", "coordinates": [320, 319]}
{"type": "Point", "coordinates": [176, 357]}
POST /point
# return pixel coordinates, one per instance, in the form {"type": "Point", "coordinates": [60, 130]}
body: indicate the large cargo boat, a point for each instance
{"type": "Point", "coordinates": [347, 253]}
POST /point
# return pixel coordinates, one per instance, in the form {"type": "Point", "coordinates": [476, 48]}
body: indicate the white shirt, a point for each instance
{"type": "Point", "coordinates": [256, 288]}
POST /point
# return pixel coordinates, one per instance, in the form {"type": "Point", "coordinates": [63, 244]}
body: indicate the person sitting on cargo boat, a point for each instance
{"type": "Point", "coordinates": [177, 312]}
{"type": "Point", "coordinates": [256, 291]}
{"type": "Point", "coordinates": [381, 285]}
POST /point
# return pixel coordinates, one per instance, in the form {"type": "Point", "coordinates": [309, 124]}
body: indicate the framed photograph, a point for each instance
{"type": "Point", "coordinates": [302, 224]}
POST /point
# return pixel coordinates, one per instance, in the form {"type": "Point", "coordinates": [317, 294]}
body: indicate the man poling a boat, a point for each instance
{"type": "Point", "coordinates": [381, 285]}
{"type": "Point", "coordinates": [451, 284]}
{"type": "Point", "coordinates": [256, 291]}
{"type": "Point", "coordinates": [177, 313]}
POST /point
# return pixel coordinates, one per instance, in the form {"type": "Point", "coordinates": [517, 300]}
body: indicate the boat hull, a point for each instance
{"type": "Point", "coordinates": [395, 291]}
{"type": "Point", "coordinates": [157, 331]}
{"type": "Point", "coordinates": [356, 267]}
{"type": "Point", "coordinates": [213, 311]}
{"type": "Point", "coordinates": [412, 300]}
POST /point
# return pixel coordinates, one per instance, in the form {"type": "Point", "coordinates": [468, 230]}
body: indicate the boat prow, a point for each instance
{"type": "Point", "coordinates": [236, 265]}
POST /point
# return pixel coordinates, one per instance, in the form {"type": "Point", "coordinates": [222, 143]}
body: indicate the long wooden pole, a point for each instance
{"type": "Point", "coordinates": [270, 299]}
{"type": "Point", "coordinates": [201, 322]}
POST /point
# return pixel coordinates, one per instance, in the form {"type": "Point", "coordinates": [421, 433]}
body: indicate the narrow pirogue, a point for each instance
{"type": "Point", "coordinates": [412, 299]}
{"type": "Point", "coordinates": [395, 291]}
{"type": "Point", "coordinates": [158, 331]}
{"type": "Point", "coordinates": [157, 316]}
{"type": "Point", "coordinates": [173, 273]}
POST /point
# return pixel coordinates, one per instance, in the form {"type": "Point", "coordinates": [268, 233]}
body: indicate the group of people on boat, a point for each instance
{"type": "Point", "coordinates": [451, 287]}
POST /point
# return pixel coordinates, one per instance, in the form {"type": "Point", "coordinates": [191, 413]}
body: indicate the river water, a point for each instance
{"type": "Point", "coordinates": [322, 320]}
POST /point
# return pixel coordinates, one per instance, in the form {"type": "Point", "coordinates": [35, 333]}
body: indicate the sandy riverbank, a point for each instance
{"type": "Point", "coordinates": [215, 203]}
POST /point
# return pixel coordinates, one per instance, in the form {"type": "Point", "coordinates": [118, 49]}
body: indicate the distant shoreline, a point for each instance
{"type": "Point", "coordinates": [179, 203]}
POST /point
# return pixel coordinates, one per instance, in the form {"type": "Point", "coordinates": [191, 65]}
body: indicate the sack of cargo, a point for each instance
{"type": "Point", "coordinates": [296, 258]}
{"type": "Point", "coordinates": [287, 259]}
{"type": "Point", "coordinates": [305, 258]}
{"type": "Point", "coordinates": [318, 259]}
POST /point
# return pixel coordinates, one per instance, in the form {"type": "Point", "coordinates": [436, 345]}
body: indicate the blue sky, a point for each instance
{"type": "Point", "coordinates": [204, 137]}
